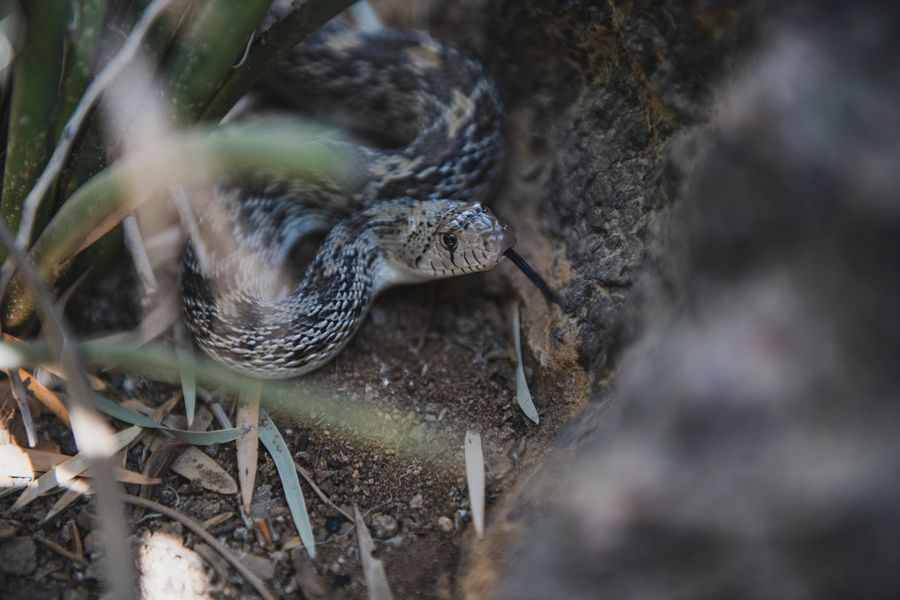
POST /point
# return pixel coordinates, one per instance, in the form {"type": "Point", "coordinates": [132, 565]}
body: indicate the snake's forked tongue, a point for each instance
{"type": "Point", "coordinates": [536, 279]}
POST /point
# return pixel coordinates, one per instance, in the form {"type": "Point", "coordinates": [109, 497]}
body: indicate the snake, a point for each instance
{"type": "Point", "coordinates": [413, 210]}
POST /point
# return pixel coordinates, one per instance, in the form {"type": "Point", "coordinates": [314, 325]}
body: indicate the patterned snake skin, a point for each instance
{"type": "Point", "coordinates": [410, 212]}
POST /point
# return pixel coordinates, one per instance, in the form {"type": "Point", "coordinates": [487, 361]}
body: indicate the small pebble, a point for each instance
{"type": "Point", "coordinates": [333, 524]}
{"type": "Point", "coordinates": [384, 525]}
{"type": "Point", "coordinates": [93, 544]}
{"type": "Point", "coordinates": [260, 566]}
{"type": "Point", "coordinates": [241, 534]}
{"type": "Point", "coordinates": [446, 524]}
{"type": "Point", "coordinates": [417, 501]}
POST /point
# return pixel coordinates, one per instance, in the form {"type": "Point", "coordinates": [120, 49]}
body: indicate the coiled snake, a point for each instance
{"type": "Point", "coordinates": [410, 213]}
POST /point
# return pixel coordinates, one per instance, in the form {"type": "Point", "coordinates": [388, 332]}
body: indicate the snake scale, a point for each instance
{"type": "Point", "coordinates": [411, 212]}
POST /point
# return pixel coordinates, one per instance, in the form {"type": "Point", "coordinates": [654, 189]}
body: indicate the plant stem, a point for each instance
{"type": "Point", "coordinates": [268, 46]}
{"type": "Point", "coordinates": [212, 44]}
{"type": "Point", "coordinates": [33, 108]}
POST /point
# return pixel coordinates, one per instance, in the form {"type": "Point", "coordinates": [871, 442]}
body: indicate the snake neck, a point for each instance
{"type": "Point", "coordinates": [247, 313]}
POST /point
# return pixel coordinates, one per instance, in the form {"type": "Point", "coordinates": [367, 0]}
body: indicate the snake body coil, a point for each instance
{"type": "Point", "coordinates": [409, 213]}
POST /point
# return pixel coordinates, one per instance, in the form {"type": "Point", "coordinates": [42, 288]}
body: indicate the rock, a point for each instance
{"type": "Point", "coordinates": [762, 343]}
{"type": "Point", "coordinates": [18, 556]}
{"type": "Point", "coordinates": [169, 569]}
{"type": "Point", "coordinates": [445, 524]}
{"type": "Point", "coordinates": [417, 501]}
{"type": "Point", "coordinates": [261, 566]}
{"type": "Point", "coordinates": [93, 544]}
{"type": "Point", "coordinates": [384, 525]}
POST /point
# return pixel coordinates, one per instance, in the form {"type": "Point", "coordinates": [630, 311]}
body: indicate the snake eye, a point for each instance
{"type": "Point", "coordinates": [449, 241]}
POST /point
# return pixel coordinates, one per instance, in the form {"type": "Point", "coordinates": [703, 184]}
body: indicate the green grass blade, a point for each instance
{"type": "Point", "coordinates": [188, 385]}
{"type": "Point", "coordinates": [88, 156]}
{"type": "Point", "coordinates": [196, 438]}
{"type": "Point", "coordinates": [87, 21]}
{"type": "Point", "coordinates": [270, 45]}
{"type": "Point", "coordinates": [104, 201]}
{"type": "Point", "coordinates": [213, 43]}
{"type": "Point", "coordinates": [36, 73]}
{"type": "Point", "coordinates": [284, 462]}
{"type": "Point", "coordinates": [301, 401]}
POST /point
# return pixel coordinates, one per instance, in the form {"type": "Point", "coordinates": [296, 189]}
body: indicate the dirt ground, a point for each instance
{"type": "Point", "coordinates": [436, 359]}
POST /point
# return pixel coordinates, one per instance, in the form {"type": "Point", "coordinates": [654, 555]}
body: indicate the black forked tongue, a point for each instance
{"type": "Point", "coordinates": [536, 279]}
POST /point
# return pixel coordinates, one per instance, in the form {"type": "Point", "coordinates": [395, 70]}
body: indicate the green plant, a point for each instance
{"type": "Point", "coordinates": [71, 175]}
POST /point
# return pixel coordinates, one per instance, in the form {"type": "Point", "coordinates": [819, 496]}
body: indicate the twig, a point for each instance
{"type": "Point", "coordinates": [189, 222]}
{"type": "Point", "coordinates": [68, 554]}
{"type": "Point", "coordinates": [135, 244]}
{"type": "Point", "coordinates": [208, 538]}
{"type": "Point", "coordinates": [305, 474]}
{"type": "Point", "coordinates": [77, 544]}
{"type": "Point", "coordinates": [45, 396]}
{"type": "Point", "coordinates": [58, 159]}
{"type": "Point", "coordinates": [21, 399]}
{"type": "Point", "coordinates": [220, 415]}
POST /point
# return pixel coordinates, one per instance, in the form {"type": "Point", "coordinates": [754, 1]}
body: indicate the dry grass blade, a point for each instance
{"type": "Point", "coordinates": [248, 444]}
{"type": "Point", "coordinates": [63, 502]}
{"type": "Point", "coordinates": [217, 520]}
{"type": "Point", "coordinates": [373, 570]}
{"type": "Point", "coordinates": [126, 476]}
{"type": "Point", "coordinates": [19, 462]}
{"type": "Point", "coordinates": [208, 538]}
{"type": "Point", "coordinates": [198, 467]}
{"type": "Point", "coordinates": [95, 382]}
{"type": "Point", "coordinates": [70, 469]}
{"type": "Point", "coordinates": [475, 480]}
{"type": "Point", "coordinates": [523, 395]}
{"type": "Point", "coordinates": [161, 318]}
{"type": "Point", "coordinates": [21, 399]}
{"type": "Point", "coordinates": [45, 396]}
{"type": "Point", "coordinates": [92, 93]}
{"type": "Point", "coordinates": [134, 242]}
{"type": "Point", "coordinates": [67, 554]}
{"type": "Point", "coordinates": [305, 475]}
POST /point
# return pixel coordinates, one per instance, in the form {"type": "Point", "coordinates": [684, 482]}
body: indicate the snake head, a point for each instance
{"type": "Point", "coordinates": [447, 238]}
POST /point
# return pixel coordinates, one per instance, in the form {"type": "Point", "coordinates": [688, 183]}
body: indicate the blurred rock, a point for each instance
{"type": "Point", "coordinates": [750, 447]}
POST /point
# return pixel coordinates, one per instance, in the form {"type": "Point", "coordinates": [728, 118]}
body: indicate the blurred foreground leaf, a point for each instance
{"type": "Point", "coordinates": [195, 158]}
{"type": "Point", "coordinates": [300, 400]}
{"type": "Point", "coordinates": [33, 109]}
